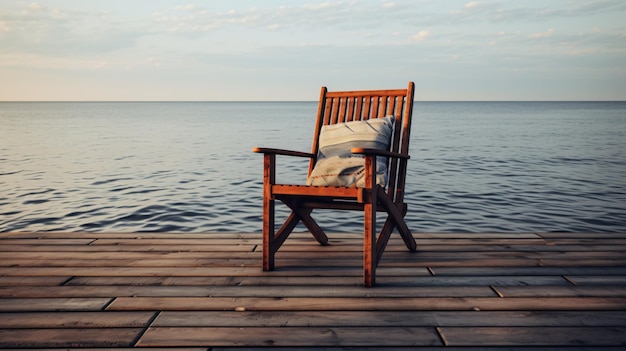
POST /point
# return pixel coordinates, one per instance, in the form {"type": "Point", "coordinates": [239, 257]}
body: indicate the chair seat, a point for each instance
{"type": "Point", "coordinates": [310, 190]}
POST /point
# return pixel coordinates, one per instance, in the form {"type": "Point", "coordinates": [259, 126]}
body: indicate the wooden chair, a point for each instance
{"type": "Point", "coordinates": [339, 107]}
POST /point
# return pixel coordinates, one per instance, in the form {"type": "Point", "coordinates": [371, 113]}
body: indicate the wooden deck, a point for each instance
{"type": "Point", "coordinates": [207, 292]}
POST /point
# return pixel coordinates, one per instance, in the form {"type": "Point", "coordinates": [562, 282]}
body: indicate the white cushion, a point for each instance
{"type": "Point", "coordinates": [337, 166]}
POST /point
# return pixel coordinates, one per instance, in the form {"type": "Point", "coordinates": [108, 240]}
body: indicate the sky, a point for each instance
{"type": "Point", "coordinates": [237, 50]}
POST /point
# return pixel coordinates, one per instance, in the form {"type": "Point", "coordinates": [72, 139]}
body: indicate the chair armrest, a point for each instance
{"type": "Point", "coordinates": [265, 150]}
{"type": "Point", "coordinates": [377, 152]}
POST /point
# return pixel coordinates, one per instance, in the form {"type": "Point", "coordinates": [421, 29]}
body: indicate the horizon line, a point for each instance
{"type": "Point", "coordinates": [275, 101]}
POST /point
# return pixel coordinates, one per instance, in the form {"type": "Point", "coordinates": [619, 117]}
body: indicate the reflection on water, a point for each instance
{"type": "Point", "coordinates": [188, 167]}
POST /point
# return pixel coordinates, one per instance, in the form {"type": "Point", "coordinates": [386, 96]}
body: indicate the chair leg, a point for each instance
{"type": "Point", "coordinates": [369, 242]}
{"type": "Point", "coordinates": [268, 235]}
{"type": "Point", "coordinates": [283, 232]}
{"type": "Point", "coordinates": [304, 215]}
{"type": "Point", "coordinates": [397, 216]}
{"type": "Point", "coordinates": [369, 247]}
{"type": "Point", "coordinates": [383, 239]}
{"type": "Point", "coordinates": [311, 225]}
{"type": "Point", "coordinates": [269, 178]}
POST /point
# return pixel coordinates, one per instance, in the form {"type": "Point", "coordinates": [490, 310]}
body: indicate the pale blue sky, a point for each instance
{"type": "Point", "coordinates": [286, 50]}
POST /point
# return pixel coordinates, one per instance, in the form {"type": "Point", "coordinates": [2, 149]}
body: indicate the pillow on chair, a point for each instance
{"type": "Point", "coordinates": [337, 166]}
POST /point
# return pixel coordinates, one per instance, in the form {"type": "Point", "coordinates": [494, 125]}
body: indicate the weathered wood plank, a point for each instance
{"type": "Point", "coordinates": [598, 240]}
{"type": "Point", "coordinates": [389, 318]}
{"type": "Point", "coordinates": [42, 241]}
{"type": "Point", "coordinates": [154, 241]}
{"type": "Point", "coordinates": [539, 336]}
{"type": "Point", "coordinates": [160, 235]}
{"type": "Point", "coordinates": [479, 235]}
{"type": "Point", "coordinates": [247, 291]}
{"type": "Point", "coordinates": [504, 262]}
{"type": "Point", "coordinates": [319, 262]}
{"type": "Point", "coordinates": [598, 280]}
{"type": "Point", "coordinates": [384, 283]}
{"type": "Point", "coordinates": [198, 271]}
{"type": "Point", "coordinates": [290, 337]}
{"type": "Point", "coordinates": [31, 320]}
{"type": "Point", "coordinates": [530, 270]}
{"type": "Point", "coordinates": [53, 304]}
{"type": "Point", "coordinates": [351, 279]}
{"type": "Point", "coordinates": [33, 281]}
{"type": "Point", "coordinates": [467, 251]}
{"type": "Point", "coordinates": [135, 349]}
{"type": "Point", "coordinates": [361, 304]}
{"type": "Point", "coordinates": [193, 262]}
{"type": "Point", "coordinates": [450, 249]}
{"type": "Point", "coordinates": [123, 248]}
{"type": "Point", "coordinates": [552, 291]}
{"type": "Point", "coordinates": [301, 235]}
{"type": "Point", "coordinates": [52, 338]}
{"type": "Point", "coordinates": [471, 242]}
{"type": "Point", "coordinates": [567, 235]}
{"type": "Point", "coordinates": [313, 252]}
{"type": "Point", "coordinates": [53, 256]}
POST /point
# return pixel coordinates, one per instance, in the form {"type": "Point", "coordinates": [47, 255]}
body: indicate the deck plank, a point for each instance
{"type": "Point", "coordinates": [53, 304]}
{"type": "Point", "coordinates": [562, 291]}
{"type": "Point", "coordinates": [366, 303]}
{"type": "Point", "coordinates": [31, 320]}
{"type": "Point", "coordinates": [33, 281]}
{"type": "Point", "coordinates": [288, 336]}
{"type": "Point", "coordinates": [389, 318]}
{"type": "Point", "coordinates": [539, 336]}
{"type": "Point", "coordinates": [256, 291]}
{"type": "Point", "coordinates": [386, 283]}
{"type": "Point", "coordinates": [54, 338]}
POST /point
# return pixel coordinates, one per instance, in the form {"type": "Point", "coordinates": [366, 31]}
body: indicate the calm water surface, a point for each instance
{"type": "Point", "coordinates": [188, 167]}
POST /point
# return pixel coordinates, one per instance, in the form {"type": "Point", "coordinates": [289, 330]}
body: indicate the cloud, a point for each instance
{"type": "Point", "coordinates": [583, 52]}
{"type": "Point", "coordinates": [545, 34]}
{"type": "Point", "coordinates": [595, 7]}
{"type": "Point", "coordinates": [525, 12]}
{"type": "Point", "coordinates": [274, 26]}
{"type": "Point", "coordinates": [321, 6]}
{"type": "Point", "coordinates": [35, 6]}
{"type": "Point", "coordinates": [38, 61]}
{"type": "Point", "coordinates": [420, 36]}
{"type": "Point", "coordinates": [188, 7]}
{"type": "Point", "coordinates": [317, 17]}
{"type": "Point", "coordinates": [39, 29]}
{"type": "Point", "coordinates": [4, 27]}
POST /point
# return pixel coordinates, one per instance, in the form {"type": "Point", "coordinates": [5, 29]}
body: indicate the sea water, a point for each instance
{"type": "Point", "coordinates": [188, 166]}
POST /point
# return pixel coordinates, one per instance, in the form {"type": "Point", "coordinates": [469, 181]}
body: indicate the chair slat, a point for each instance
{"type": "Point", "coordinates": [350, 113]}
{"type": "Point", "coordinates": [391, 92]}
{"type": "Point", "coordinates": [343, 107]}
{"type": "Point", "coordinates": [328, 111]}
{"type": "Point", "coordinates": [374, 108]}
{"type": "Point", "coordinates": [382, 109]}
{"type": "Point", "coordinates": [366, 108]}
{"type": "Point", "coordinates": [358, 109]}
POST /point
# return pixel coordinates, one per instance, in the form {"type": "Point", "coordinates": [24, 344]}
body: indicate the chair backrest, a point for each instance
{"type": "Point", "coordinates": [345, 106]}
